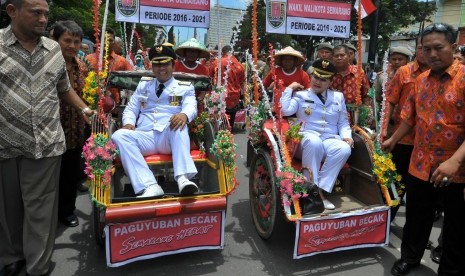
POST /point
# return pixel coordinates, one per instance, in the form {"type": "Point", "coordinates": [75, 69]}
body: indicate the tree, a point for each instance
{"type": "Point", "coordinates": [395, 15]}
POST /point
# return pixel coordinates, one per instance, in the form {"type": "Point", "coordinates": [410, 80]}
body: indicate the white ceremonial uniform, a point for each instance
{"type": "Point", "coordinates": [323, 127]}
{"type": "Point", "coordinates": [153, 134]}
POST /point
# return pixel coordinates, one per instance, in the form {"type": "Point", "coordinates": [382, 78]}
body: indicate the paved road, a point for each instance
{"type": "Point", "coordinates": [244, 254]}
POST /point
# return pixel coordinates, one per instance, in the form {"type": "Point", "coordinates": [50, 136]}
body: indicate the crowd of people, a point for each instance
{"type": "Point", "coordinates": [43, 126]}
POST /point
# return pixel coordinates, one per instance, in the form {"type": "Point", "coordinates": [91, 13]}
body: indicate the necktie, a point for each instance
{"type": "Point", "coordinates": [320, 96]}
{"type": "Point", "coordinates": [161, 86]}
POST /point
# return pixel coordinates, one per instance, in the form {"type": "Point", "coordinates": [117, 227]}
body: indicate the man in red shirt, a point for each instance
{"type": "Point", "coordinates": [396, 95]}
{"type": "Point", "coordinates": [289, 71]}
{"type": "Point", "coordinates": [345, 78]}
{"type": "Point", "coordinates": [236, 80]}
{"type": "Point", "coordinates": [190, 51]}
{"type": "Point", "coordinates": [435, 108]}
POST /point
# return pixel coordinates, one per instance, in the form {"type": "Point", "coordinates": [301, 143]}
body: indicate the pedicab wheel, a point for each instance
{"type": "Point", "coordinates": [263, 193]}
{"type": "Point", "coordinates": [98, 224]}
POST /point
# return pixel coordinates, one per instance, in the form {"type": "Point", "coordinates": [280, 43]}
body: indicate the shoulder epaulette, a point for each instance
{"type": "Point", "coordinates": [187, 83]}
{"type": "Point", "coordinates": [146, 78]}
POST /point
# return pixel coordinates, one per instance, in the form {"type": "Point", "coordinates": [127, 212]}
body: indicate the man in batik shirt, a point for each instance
{"type": "Point", "coordinates": [435, 107]}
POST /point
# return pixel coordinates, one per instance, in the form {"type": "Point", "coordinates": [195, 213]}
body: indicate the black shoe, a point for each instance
{"type": "Point", "coordinates": [400, 267]}
{"type": "Point", "coordinates": [436, 254]}
{"type": "Point", "coordinates": [13, 269]}
{"type": "Point", "coordinates": [428, 245]}
{"type": "Point", "coordinates": [70, 221]}
{"type": "Point", "coordinates": [82, 188]}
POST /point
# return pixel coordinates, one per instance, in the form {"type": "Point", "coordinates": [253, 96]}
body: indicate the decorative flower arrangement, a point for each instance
{"type": "Point", "coordinates": [292, 139]}
{"type": "Point", "coordinates": [93, 91]}
{"type": "Point", "coordinates": [99, 153]}
{"type": "Point", "coordinates": [258, 116]}
{"type": "Point", "coordinates": [224, 148]}
{"type": "Point", "coordinates": [291, 183]}
{"type": "Point", "coordinates": [197, 129]}
{"type": "Point", "coordinates": [215, 101]}
{"type": "Point", "coordinates": [385, 171]}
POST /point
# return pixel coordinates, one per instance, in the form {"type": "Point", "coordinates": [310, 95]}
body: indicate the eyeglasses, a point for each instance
{"type": "Point", "coordinates": [462, 50]}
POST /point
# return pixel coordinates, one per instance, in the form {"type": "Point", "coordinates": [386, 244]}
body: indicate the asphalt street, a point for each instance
{"type": "Point", "coordinates": [245, 253]}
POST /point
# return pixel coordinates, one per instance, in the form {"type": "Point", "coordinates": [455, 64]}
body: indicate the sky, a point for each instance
{"type": "Point", "coordinates": [186, 33]}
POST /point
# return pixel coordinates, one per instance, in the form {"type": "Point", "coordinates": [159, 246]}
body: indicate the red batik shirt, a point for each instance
{"type": "Point", "coordinates": [236, 78]}
{"type": "Point", "coordinates": [348, 86]}
{"type": "Point", "coordinates": [436, 108]}
{"type": "Point", "coordinates": [399, 90]}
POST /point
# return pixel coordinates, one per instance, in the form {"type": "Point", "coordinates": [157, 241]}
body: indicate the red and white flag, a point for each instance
{"type": "Point", "coordinates": [367, 7]}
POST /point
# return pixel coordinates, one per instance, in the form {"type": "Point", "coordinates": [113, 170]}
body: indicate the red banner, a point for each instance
{"type": "Point", "coordinates": [361, 228]}
{"type": "Point", "coordinates": [201, 5]}
{"type": "Point", "coordinates": [319, 9]}
{"type": "Point", "coordinates": [129, 242]}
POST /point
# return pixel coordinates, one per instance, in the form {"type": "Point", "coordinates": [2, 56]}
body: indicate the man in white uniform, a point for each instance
{"type": "Point", "coordinates": [155, 122]}
{"type": "Point", "coordinates": [325, 127]}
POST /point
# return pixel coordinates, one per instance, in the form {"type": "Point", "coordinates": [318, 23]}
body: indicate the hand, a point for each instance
{"type": "Point", "coordinates": [271, 87]}
{"type": "Point", "coordinates": [201, 96]}
{"type": "Point", "coordinates": [178, 121]}
{"type": "Point", "coordinates": [388, 145]}
{"type": "Point", "coordinates": [129, 126]}
{"type": "Point", "coordinates": [447, 169]}
{"type": "Point", "coordinates": [383, 135]}
{"type": "Point", "coordinates": [295, 86]}
{"type": "Point", "coordinates": [87, 113]}
{"type": "Point", "coordinates": [349, 141]}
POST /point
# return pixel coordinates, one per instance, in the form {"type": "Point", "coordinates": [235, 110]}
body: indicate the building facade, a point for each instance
{"type": "Point", "coordinates": [222, 21]}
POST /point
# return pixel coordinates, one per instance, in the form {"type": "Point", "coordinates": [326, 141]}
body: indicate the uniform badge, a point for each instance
{"type": "Point", "coordinates": [175, 100]}
{"type": "Point", "coordinates": [308, 111]}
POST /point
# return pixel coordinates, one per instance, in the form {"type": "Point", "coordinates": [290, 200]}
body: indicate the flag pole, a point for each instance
{"type": "Point", "coordinates": [374, 35]}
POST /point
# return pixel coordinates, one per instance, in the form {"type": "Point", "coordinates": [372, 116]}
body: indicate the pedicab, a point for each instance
{"type": "Point", "coordinates": [134, 228]}
{"type": "Point", "coordinates": [362, 214]}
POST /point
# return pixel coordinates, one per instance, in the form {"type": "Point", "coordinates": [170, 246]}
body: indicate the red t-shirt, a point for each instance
{"type": "Point", "coordinates": [298, 75]}
{"type": "Point", "coordinates": [199, 69]}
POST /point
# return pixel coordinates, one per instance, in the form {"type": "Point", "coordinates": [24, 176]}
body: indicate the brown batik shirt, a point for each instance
{"type": "Point", "coordinates": [30, 86]}
{"type": "Point", "coordinates": [71, 119]}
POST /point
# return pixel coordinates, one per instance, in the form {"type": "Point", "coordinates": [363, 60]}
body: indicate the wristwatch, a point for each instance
{"type": "Point", "coordinates": [84, 110]}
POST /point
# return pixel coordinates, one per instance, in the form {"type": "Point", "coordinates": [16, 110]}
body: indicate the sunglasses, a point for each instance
{"type": "Point", "coordinates": [436, 27]}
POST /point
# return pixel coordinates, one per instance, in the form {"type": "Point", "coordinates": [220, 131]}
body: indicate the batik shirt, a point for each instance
{"type": "Point", "coordinates": [348, 85]}
{"type": "Point", "coordinates": [31, 84]}
{"type": "Point", "coordinates": [436, 108]}
{"type": "Point", "coordinates": [398, 92]}
{"type": "Point", "coordinates": [71, 119]}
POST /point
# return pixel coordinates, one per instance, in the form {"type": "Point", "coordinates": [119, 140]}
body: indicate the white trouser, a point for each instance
{"type": "Point", "coordinates": [133, 145]}
{"type": "Point", "coordinates": [332, 151]}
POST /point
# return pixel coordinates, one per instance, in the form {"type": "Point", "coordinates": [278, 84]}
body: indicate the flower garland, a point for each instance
{"type": "Point", "coordinates": [92, 92]}
{"type": "Point", "coordinates": [258, 116]}
{"type": "Point", "coordinates": [386, 173]}
{"type": "Point", "coordinates": [291, 183]}
{"type": "Point", "coordinates": [99, 153]}
{"type": "Point", "coordinates": [224, 149]}
{"type": "Point", "coordinates": [197, 129]}
{"type": "Point", "coordinates": [358, 97]}
{"type": "Point", "coordinates": [215, 102]}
